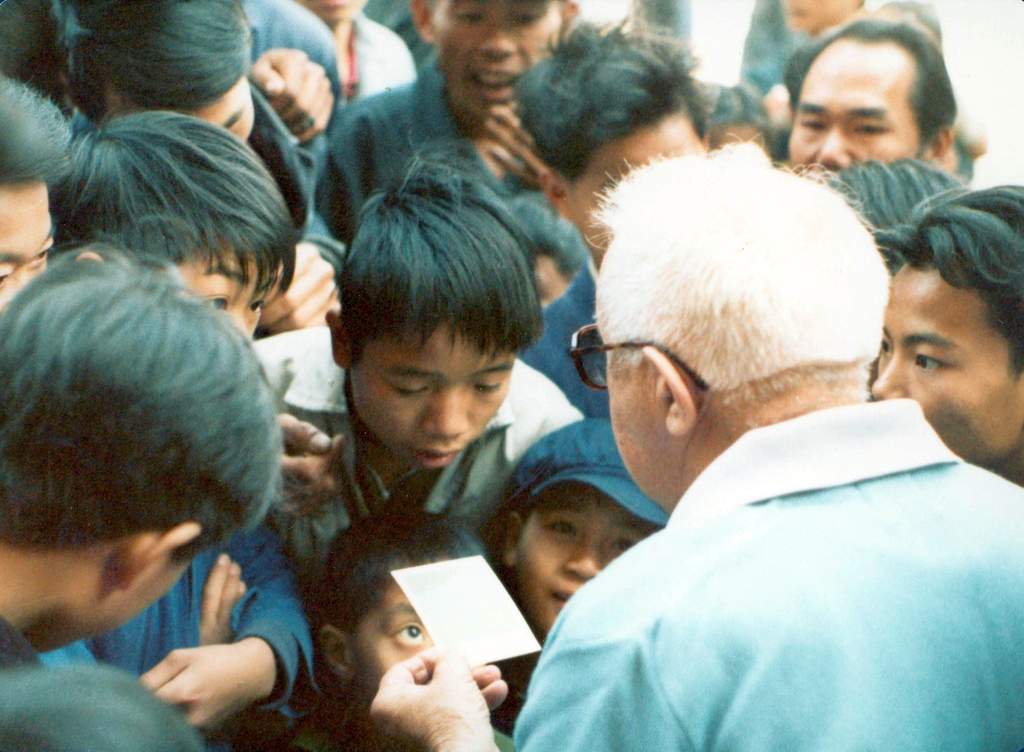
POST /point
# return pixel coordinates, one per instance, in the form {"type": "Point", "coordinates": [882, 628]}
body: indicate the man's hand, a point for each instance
{"type": "Point", "coordinates": [311, 466]}
{"type": "Point", "coordinates": [223, 589]}
{"type": "Point", "coordinates": [435, 700]}
{"type": "Point", "coordinates": [298, 89]}
{"type": "Point", "coordinates": [308, 298]}
{"type": "Point", "coordinates": [506, 148]}
{"type": "Point", "coordinates": [212, 683]}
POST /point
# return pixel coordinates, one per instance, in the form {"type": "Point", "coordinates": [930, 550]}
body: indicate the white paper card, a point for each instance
{"type": "Point", "coordinates": [465, 608]}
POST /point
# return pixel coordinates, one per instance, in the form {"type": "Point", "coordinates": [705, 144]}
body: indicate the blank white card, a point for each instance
{"type": "Point", "coordinates": [465, 608]}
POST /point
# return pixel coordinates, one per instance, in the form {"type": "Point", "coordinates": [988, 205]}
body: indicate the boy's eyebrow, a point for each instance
{"type": "Point", "coordinates": [400, 609]}
{"type": "Point", "coordinates": [810, 109]}
{"type": "Point", "coordinates": [874, 113]}
{"type": "Point", "coordinates": [928, 338]}
{"type": "Point", "coordinates": [419, 373]}
{"type": "Point", "coordinates": [232, 274]}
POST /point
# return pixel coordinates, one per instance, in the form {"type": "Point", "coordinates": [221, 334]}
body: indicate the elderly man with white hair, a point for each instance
{"type": "Point", "coordinates": [832, 577]}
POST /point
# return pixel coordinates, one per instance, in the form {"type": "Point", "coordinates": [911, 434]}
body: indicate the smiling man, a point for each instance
{"type": "Point", "coordinates": [33, 153]}
{"type": "Point", "coordinates": [872, 90]}
{"type": "Point", "coordinates": [954, 328]}
{"type": "Point", "coordinates": [417, 371]}
{"type": "Point", "coordinates": [483, 47]}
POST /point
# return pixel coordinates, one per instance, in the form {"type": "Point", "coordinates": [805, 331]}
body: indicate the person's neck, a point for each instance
{"type": "Point", "coordinates": [1012, 468]}
{"type": "Point", "coordinates": [34, 590]}
{"type": "Point", "coordinates": [722, 426]}
{"type": "Point", "coordinates": [342, 32]}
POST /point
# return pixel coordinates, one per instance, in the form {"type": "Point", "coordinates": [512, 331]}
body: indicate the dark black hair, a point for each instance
{"type": "Point", "coordinates": [931, 98]}
{"type": "Point", "coordinates": [975, 240]}
{"type": "Point", "coordinates": [440, 249]}
{"type": "Point", "coordinates": [87, 708]}
{"type": "Point", "coordinates": [180, 189]}
{"type": "Point", "coordinates": [547, 234]}
{"type": "Point", "coordinates": [152, 54]}
{"type": "Point", "coordinates": [885, 195]}
{"type": "Point", "coordinates": [33, 136]}
{"type": "Point", "coordinates": [362, 558]}
{"type": "Point", "coordinates": [128, 405]}
{"type": "Point", "coordinates": [602, 85]}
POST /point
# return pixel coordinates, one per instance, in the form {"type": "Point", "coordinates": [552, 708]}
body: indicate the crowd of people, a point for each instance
{"type": "Point", "coordinates": [726, 383]}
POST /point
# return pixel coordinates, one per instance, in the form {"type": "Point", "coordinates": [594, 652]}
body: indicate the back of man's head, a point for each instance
{"type": "Point", "coordinates": [33, 136]}
{"type": "Point", "coordinates": [744, 289]}
{"type": "Point", "coordinates": [975, 240]}
{"type": "Point", "coordinates": [127, 405]}
{"type": "Point", "coordinates": [931, 96]}
{"type": "Point", "coordinates": [181, 190]}
{"type": "Point", "coordinates": [600, 86]}
{"type": "Point", "coordinates": [439, 250]}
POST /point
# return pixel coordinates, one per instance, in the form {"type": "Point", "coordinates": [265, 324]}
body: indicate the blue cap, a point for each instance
{"type": "Point", "coordinates": [585, 452]}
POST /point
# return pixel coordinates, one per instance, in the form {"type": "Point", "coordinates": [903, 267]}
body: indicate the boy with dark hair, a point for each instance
{"type": "Point", "coordinates": [365, 622]}
{"type": "Point", "coordinates": [954, 327]}
{"type": "Point", "coordinates": [604, 103]}
{"type": "Point", "coordinates": [465, 97]}
{"type": "Point", "coordinates": [188, 194]}
{"type": "Point", "coordinates": [114, 466]}
{"type": "Point", "coordinates": [417, 370]}
{"type": "Point", "coordinates": [573, 509]}
{"type": "Point", "coordinates": [182, 191]}
{"type": "Point", "coordinates": [33, 155]}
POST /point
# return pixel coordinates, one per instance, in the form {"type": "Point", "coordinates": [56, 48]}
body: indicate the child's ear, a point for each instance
{"type": "Point", "coordinates": [513, 529]}
{"type": "Point", "coordinates": [556, 191]}
{"type": "Point", "coordinates": [138, 556]}
{"type": "Point", "coordinates": [341, 346]}
{"type": "Point", "coordinates": [336, 647]}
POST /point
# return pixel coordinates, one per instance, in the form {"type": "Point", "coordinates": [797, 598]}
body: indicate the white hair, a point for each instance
{"type": "Point", "coordinates": [741, 269]}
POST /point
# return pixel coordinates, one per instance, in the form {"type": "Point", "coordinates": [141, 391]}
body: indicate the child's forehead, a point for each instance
{"type": "Point", "coordinates": [437, 351]}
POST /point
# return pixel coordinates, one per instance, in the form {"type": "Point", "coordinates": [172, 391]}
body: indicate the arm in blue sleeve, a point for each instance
{"type": "Point", "coordinates": [271, 609]}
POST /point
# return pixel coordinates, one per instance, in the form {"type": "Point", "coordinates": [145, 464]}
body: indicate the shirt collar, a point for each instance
{"type": "Point", "coordinates": [822, 449]}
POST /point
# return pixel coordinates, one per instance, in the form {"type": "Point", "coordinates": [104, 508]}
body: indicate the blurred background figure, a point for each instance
{"type": "Point", "coordinates": [371, 57]}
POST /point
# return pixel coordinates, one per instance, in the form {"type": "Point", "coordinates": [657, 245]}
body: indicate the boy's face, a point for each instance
{"type": "Point", "coordinates": [484, 46]}
{"type": "Point", "coordinates": [25, 236]}
{"type": "Point", "coordinates": [573, 533]}
{"type": "Point", "coordinates": [423, 402]}
{"type": "Point", "coordinates": [233, 111]}
{"type": "Point", "coordinates": [225, 291]}
{"type": "Point", "coordinates": [388, 634]}
{"type": "Point", "coordinates": [940, 349]}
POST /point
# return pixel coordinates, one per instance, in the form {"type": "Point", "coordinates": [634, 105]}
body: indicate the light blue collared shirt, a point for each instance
{"type": "Point", "coordinates": [839, 581]}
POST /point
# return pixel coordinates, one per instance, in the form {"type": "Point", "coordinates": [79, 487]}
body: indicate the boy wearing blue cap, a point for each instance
{"type": "Point", "coordinates": [573, 509]}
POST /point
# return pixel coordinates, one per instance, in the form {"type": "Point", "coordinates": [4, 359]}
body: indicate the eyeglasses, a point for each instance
{"type": "Point", "coordinates": [588, 355]}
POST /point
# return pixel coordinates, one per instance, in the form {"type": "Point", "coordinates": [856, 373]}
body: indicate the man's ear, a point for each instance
{"type": "Point", "coordinates": [513, 529]}
{"type": "Point", "coordinates": [556, 191]}
{"type": "Point", "coordinates": [423, 18]}
{"type": "Point", "coordinates": [141, 555]}
{"type": "Point", "coordinates": [941, 150]}
{"type": "Point", "coordinates": [676, 394]}
{"type": "Point", "coordinates": [336, 647]}
{"type": "Point", "coordinates": [341, 345]}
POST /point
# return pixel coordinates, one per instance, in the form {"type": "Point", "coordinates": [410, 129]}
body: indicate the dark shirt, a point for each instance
{"type": "Point", "coordinates": [550, 355]}
{"type": "Point", "coordinates": [372, 140]}
{"type": "Point", "coordinates": [15, 650]}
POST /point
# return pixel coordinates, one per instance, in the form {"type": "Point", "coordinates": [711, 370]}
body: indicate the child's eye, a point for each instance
{"type": "Point", "coordinates": [409, 391]}
{"type": "Point", "coordinates": [221, 304]}
{"type": "Point", "coordinates": [487, 388]}
{"type": "Point", "coordinates": [411, 635]}
{"type": "Point", "coordinates": [925, 363]}
{"type": "Point", "coordinates": [562, 527]}
{"type": "Point", "coordinates": [256, 305]}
